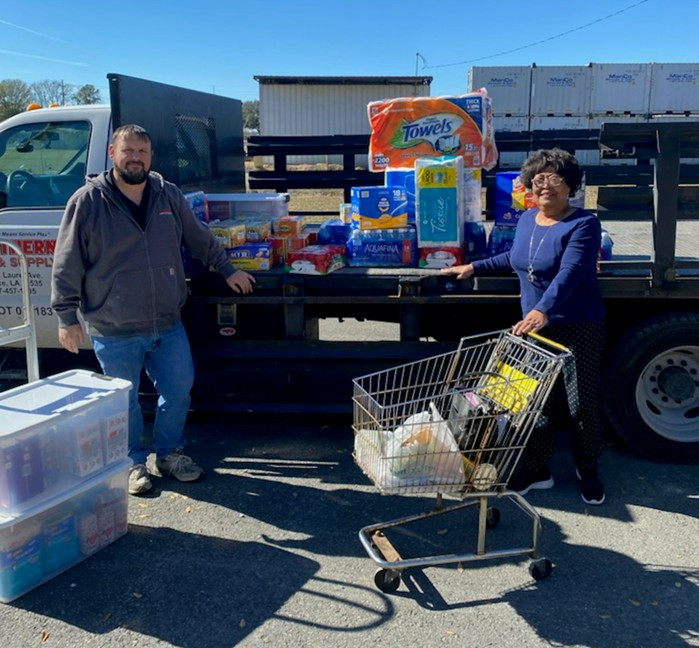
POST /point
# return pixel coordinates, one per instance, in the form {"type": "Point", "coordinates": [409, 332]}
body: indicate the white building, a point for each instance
{"type": "Point", "coordinates": [317, 105]}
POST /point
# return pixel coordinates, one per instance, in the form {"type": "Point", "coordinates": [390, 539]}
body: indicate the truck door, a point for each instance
{"type": "Point", "coordinates": [42, 163]}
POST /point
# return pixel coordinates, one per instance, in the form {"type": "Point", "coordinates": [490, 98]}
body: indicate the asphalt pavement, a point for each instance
{"type": "Point", "coordinates": [264, 552]}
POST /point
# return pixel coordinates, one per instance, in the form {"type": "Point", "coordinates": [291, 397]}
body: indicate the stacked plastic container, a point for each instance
{"type": "Point", "coordinates": [63, 475]}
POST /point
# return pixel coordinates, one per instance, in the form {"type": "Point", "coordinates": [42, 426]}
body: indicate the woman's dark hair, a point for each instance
{"type": "Point", "coordinates": [558, 161]}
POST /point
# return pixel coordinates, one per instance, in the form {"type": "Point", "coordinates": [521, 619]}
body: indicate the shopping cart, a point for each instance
{"type": "Point", "coordinates": [453, 424]}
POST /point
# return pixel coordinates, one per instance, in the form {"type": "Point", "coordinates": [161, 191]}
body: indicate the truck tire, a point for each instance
{"type": "Point", "coordinates": [651, 396]}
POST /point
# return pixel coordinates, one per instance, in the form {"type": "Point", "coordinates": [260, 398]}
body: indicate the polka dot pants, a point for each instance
{"type": "Point", "coordinates": [574, 401]}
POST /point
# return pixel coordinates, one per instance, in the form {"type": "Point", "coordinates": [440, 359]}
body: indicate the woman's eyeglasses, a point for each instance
{"type": "Point", "coordinates": [552, 179]}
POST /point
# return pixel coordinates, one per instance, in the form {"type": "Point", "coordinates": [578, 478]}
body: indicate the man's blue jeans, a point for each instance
{"type": "Point", "coordinates": [167, 359]}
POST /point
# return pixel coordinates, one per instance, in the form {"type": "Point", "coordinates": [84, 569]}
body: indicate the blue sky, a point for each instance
{"type": "Point", "coordinates": [219, 46]}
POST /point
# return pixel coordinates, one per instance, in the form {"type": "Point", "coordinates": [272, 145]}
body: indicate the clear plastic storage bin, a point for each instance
{"type": "Point", "coordinates": [56, 432]}
{"type": "Point", "coordinates": [248, 205]}
{"type": "Point", "coordinates": [62, 531]}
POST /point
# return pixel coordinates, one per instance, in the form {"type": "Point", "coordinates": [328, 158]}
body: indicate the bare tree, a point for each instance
{"type": "Point", "coordinates": [14, 97]}
{"type": "Point", "coordinates": [87, 94]}
{"type": "Point", "coordinates": [51, 91]}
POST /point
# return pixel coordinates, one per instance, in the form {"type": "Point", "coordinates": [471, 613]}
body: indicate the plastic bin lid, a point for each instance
{"type": "Point", "coordinates": [39, 402]}
{"type": "Point", "coordinates": [248, 197]}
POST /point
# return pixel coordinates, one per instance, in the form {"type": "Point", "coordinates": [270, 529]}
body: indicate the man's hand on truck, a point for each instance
{"type": "Point", "coordinates": [241, 282]}
{"type": "Point", "coordinates": [71, 337]}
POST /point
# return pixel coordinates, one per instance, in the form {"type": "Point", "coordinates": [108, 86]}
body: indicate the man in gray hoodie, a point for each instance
{"type": "Point", "coordinates": [118, 261]}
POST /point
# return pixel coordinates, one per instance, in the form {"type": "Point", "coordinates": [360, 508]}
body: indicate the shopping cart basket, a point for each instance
{"type": "Point", "coordinates": [453, 424]}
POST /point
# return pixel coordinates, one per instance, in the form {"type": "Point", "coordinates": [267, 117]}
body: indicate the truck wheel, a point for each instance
{"type": "Point", "coordinates": [652, 388]}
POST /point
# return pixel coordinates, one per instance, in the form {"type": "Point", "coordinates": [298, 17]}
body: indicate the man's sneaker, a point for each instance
{"type": "Point", "coordinates": [591, 488]}
{"type": "Point", "coordinates": [139, 480]}
{"type": "Point", "coordinates": [525, 480]}
{"type": "Point", "coordinates": [179, 466]}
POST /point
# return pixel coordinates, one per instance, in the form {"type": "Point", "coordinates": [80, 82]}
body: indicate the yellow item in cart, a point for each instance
{"type": "Point", "coordinates": [510, 388]}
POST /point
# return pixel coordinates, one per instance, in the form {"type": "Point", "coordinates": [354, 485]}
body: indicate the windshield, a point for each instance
{"type": "Point", "coordinates": [42, 164]}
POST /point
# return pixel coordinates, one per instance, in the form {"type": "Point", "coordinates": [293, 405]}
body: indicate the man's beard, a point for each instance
{"type": "Point", "coordinates": [134, 176]}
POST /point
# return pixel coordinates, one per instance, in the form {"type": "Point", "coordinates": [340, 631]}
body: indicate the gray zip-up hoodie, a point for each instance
{"type": "Point", "coordinates": [126, 280]}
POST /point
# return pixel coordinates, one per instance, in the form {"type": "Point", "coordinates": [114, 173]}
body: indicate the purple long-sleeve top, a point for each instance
{"type": "Point", "coordinates": [564, 259]}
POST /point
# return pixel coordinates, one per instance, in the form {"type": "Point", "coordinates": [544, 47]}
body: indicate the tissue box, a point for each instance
{"type": "Point", "coordinates": [439, 202]}
{"type": "Point", "coordinates": [316, 259]}
{"type": "Point", "coordinates": [252, 256]}
{"type": "Point", "coordinates": [440, 257]}
{"type": "Point", "coordinates": [379, 207]}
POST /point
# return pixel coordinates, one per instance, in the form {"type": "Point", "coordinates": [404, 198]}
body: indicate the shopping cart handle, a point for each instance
{"type": "Point", "coordinates": [544, 340]}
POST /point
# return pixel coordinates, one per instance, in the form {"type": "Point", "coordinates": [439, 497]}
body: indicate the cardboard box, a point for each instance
{"type": "Point", "coordinates": [440, 257]}
{"type": "Point", "coordinates": [228, 233]}
{"type": "Point", "coordinates": [289, 225]}
{"type": "Point", "coordinates": [282, 245]}
{"type": "Point", "coordinates": [252, 256]}
{"type": "Point", "coordinates": [316, 259]}
{"type": "Point", "coordinates": [379, 207]}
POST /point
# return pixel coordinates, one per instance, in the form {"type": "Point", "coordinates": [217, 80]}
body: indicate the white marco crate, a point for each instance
{"type": "Point", "coordinates": [58, 431]}
{"type": "Point", "coordinates": [247, 205]}
{"type": "Point", "coordinates": [620, 88]}
{"type": "Point", "coordinates": [35, 547]}
{"type": "Point", "coordinates": [508, 87]}
{"type": "Point", "coordinates": [560, 90]}
{"type": "Point", "coordinates": [674, 88]}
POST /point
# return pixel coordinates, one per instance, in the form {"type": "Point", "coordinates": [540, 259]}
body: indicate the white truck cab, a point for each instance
{"type": "Point", "coordinates": [45, 155]}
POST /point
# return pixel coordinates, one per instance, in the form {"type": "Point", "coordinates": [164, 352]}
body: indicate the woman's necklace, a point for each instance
{"type": "Point", "coordinates": [532, 258]}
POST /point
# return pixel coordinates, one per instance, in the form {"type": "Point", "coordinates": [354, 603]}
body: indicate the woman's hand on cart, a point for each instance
{"type": "Point", "coordinates": [533, 321]}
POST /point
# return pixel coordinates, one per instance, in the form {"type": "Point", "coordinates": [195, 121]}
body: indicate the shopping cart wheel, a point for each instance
{"type": "Point", "coordinates": [540, 568]}
{"type": "Point", "coordinates": [387, 580]}
{"type": "Point", "coordinates": [492, 518]}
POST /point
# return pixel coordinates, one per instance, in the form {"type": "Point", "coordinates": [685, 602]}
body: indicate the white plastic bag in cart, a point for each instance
{"type": "Point", "coordinates": [424, 449]}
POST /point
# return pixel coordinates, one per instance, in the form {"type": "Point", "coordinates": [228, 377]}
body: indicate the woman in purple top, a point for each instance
{"type": "Point", "coordinates": [555, 253]}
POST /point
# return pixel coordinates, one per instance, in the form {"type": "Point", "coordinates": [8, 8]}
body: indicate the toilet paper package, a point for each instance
{"type": "Point", "coordinates": [439, 201]}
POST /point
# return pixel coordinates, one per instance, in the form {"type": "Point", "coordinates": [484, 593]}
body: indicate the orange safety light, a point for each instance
{"type": "Point", "coordinates": [33, 106]}
{"type": "Point", "coordinates": [54, 105]}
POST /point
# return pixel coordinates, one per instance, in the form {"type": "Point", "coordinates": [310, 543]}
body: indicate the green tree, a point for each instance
{"type": "Point", "coordinates": [51, 91]}
{"type": "Point", "coordinates": [87, 94]}
{"type": "Point", "coordinates": [251, 114]}
{"type": "Point", "coordinates": [15, 95]}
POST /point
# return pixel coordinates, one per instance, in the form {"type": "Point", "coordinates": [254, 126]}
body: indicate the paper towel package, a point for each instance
{"type": "Point", "coordinates": [406, 129]}
{"type": "Point", "coordinates": [439, 201]}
